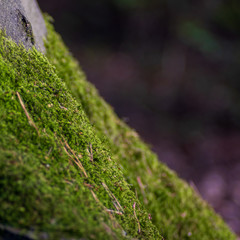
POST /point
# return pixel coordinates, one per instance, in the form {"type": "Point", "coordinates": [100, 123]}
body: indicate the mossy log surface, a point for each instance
{"type": "Point", "coordinates": [71, 169]}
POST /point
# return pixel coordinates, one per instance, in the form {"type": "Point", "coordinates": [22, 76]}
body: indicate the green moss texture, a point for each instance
{"type": "Point", "coordinates": [71, 169]}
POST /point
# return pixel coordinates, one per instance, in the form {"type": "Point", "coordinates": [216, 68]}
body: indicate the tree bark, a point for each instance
{"type": "Point", "coordinates": [23, 22]}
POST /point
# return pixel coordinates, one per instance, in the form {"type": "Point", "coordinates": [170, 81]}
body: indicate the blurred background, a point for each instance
{"type": "Point", "coordinates": [171, 70]}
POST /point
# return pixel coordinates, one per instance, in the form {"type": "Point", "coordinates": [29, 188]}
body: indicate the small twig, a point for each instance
{"type": "Point", "coordinates": [50, 150]}
{"type": "Point", "coordinates": [62, 107]}
{"type": "Point", "coordinates": [67, 151]}
{"type": "Point", "coordinates": [106, 209]}
{"type": "Point", "coordinates": [74, 157]}
{"type": "Point", "coordinates": [26, 113]}
{"type": "Point", "coordinates": [68, 182]}
{"type": "Point", "coordinates": [77, 160]}
{"type": "Point", "coordinates": [91, 152]}
{"type": "Point", "coordinates": [113, 211]}
{"type": "Point", "coordinates": [139, 227]}
{"type": "Point", "coordinates": [115, 201]}
{"type": "Point", "coordinates": [97, 200]}
{"type": "Point", "coordinates": [110, 195]}
{"type": "Point", "coordinates": [95, 197]}
{"type": "Point", "coordinates": [88, 185]}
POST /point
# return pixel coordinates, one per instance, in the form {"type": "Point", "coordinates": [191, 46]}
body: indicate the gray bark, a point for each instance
{"type": "Point", "coordinates": [23, 22]}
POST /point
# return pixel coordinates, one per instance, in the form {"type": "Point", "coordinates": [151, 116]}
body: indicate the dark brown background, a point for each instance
{"type": "Point", "coordinates": [171, 70]}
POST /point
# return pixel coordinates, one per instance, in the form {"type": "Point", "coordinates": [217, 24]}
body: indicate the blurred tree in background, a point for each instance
{"type": "Point", "coordinates": [172, 68]}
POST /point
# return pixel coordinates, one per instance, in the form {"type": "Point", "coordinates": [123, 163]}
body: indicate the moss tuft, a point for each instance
{"type": "Point", "coordinates": [70, 168]}
{"type": "Point", "coordinates": [56, 175]}
{"type": "Point", "coordinates": [176, 209]}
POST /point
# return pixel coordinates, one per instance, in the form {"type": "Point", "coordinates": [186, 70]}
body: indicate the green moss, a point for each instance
{"type": "Point", "coordinates": [56, 175]}
{"type": "Point", "coordinates": [70, 168]}
{"type": "Point", "coordinates": [176, 209]}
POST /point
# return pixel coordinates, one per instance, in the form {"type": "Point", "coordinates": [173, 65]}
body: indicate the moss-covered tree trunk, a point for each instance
{"type": "Point", "coordinates": [71, 169]}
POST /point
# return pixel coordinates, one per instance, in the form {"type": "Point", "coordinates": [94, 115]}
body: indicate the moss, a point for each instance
{"type": "Point", "coordinates": [176, 209]}
{"type": "Point", "coordinates": [57, 176]}
{"type": "Point", "coordinates": [70, 168]}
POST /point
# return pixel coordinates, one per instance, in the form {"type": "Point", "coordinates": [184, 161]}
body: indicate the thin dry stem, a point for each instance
{"type": "Point", "coordinates": [67, 152]}
{"type": "Point", "coordinates": [75, 158]}
{"type": "Point", "coordinates": [95, 197]}
{"type": "Point", "coordinates": [114, 199]}
{"type": "Point", "coordinates": [113, 211]}
{"type": "Point", "coordinates": [139, 227]}
{"type": "Point", "coordinates": [109, 211]}
{"type": "Point", "coordinates": [91, 152]}
{"type": "Point", "coordinates": [26, 113]}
